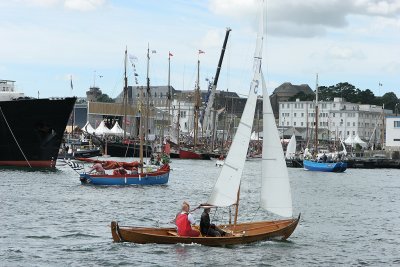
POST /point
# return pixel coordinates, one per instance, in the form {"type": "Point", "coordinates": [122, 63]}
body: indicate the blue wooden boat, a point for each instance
{"type": "Point", "coordinates": [324, 166]}
{"type": "Point", "coordinates": [160, 176]}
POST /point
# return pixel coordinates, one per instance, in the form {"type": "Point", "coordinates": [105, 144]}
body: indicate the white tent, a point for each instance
{"type": "Point", "coordinates": [88, 128]}
{"type": "Point", "coordinates": [117, 130]}
{"type": "Point", "coordinates": [359, 141]}
{"type": "Point", "coordinates": [102, 129]}
{"type": "Point", "coordinates": [349, 140]}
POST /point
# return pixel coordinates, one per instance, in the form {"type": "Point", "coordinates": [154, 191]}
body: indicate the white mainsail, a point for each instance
{"type": "Point", "coordinates": [275, 187]}
{"type": "Point", "coordinates": [226, 188]}
{"type": "Point", "coordinates": [291, 148]}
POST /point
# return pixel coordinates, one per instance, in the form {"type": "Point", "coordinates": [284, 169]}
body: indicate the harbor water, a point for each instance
{"type": "Point", "coordinates": [49, 219]}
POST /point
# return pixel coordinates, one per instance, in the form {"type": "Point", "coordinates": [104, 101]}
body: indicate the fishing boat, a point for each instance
{"type": "Point", "coordinates": [275, 187]}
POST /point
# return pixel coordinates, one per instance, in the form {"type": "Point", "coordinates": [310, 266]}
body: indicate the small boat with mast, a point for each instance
{"type": "Point", "coordinates": [136, 175]}
{"type": "Point", "coordinates": [275, 187]}
{"type": "Point", "coordinates": [321, 164]}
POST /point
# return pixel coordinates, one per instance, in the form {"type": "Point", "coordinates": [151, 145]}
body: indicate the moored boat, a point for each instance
{"type": "Point", "coordinates": [31, 130]}
{"type": "Point", "coordinates": [192, 154]}
{"type": "Point", "coordinates": [160, 176]}
{"type": "Point", "coordinates": [324, 166]}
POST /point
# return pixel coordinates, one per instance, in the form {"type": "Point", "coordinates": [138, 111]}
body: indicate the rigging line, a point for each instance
{"type": "Point", "coordinates": [14, 137]}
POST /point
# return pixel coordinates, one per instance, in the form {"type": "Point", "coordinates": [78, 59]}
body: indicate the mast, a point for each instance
{"type": "Point", "coordinates": [169, 95]}
{"type": "Point", "coordinates": [125, 101]}
{"type": "Point", "coordinates": [214, 86]}
{"type": "Point", "coordinates": [141, 131]}
{"type": "Point", "coordinates": [196, 104]}
{"type": "Point", "coordinates": [147, 113]}
{"type": "Point", "coordinates": [316, 117]}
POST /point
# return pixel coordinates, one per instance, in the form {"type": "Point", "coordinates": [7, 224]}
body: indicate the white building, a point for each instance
{"type": "Point", "coordinates": [338, 119]}
{"type": "Point", "coordinates": [393, 131]}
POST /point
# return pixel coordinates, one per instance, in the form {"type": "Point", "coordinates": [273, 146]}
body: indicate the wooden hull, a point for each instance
{"type": "Point", "coordinates": [324, 166]}
{"type": "Point", "coordinates": [242, 234]}
{"type": "Point", "coordinates": [159, 177]}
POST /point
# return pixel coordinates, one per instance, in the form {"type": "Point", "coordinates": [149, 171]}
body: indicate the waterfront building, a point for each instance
{"type": "Point", "coordinates": [393, 132]}
{"type": "Point", "coordinates": [338, 119]}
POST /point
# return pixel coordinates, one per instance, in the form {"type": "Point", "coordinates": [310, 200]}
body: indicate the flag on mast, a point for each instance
{"type": "Point", "coordinates": [72, 86]}
{"type": "Point", "coordinates": [170, 54]}
{"type": "Point", "coordinates": [201, 51]}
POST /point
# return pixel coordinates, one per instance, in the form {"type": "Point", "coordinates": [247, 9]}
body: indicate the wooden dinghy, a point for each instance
{"type": "Point", "coordinates": [242, 233]}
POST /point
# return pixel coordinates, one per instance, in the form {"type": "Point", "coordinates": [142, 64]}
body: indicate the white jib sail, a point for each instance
{"type": "Point", "coordinates": [291, 148]}
{"type": "Point", "coordinates": [275, 187]}
{"type": "Point", "coordinates": [226, 188]}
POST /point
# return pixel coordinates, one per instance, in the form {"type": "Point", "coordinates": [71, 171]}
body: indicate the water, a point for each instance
{"type": "Point", "coordinates": [50, 219]}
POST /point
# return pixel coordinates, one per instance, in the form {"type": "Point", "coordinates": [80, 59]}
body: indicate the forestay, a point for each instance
{"type": "Point", "coordinates": [275, 187]}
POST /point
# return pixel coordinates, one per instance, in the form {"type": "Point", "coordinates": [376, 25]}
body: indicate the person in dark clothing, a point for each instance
{"type": "Point", "coordinates": [207, 228]}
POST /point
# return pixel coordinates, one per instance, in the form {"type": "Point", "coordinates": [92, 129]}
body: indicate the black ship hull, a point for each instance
{"type": "Point", "coordinates": [126, 150]}
{"type": "Point", "coordinates": [31, 131]}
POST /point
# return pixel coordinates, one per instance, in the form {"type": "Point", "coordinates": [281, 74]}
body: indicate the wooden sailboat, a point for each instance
{"type": "Point", "coordinates": [275, 187]}
{"type": "Point", "coordinates": [133, 176]}
{"type": "Point", "coordinates": [321, 165]}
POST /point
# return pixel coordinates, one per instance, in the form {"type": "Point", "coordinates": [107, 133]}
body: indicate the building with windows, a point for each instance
{"type": "Point", "coordinates": [393, 132]}
{"type": "Point", "coordinates": [337, 119]}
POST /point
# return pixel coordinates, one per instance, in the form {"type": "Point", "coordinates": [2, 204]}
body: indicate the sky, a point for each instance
{"type": "Point", "coordinates": [45, 42]}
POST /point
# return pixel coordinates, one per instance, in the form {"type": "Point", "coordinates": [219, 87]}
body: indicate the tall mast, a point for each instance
{"type": "Point", "coordinates": [125, 102]}
{"type": "Point", "coordinates": [196, 103]}
{"type": "Point", "coordinates": [147, 97]}
{"type": "Point", "coordinates": [141, 130]}
{"type": "Point", "coordinates": [316, 116]}
{"type": "Point", "coordinates": [169, 95]}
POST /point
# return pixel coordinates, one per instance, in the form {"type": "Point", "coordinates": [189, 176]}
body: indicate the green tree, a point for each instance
{"type": "Point", "coordinates": [390, 100]}
{"type": "Point", "coordinates": [105, 98]}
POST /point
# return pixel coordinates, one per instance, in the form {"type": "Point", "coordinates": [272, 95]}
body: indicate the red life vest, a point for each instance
{"type": "Point", "coordinates": [183, 224]}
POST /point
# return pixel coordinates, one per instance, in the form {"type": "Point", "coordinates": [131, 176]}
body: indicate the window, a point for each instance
{"type": "Point", "coordinates": [287, 105]}
{"type": "Point", "coordinates": [283, 114]}
{"type": "Point", "coordinates": [348, 133]}
{"type": "Point", "coordinates": [348, 123]}
{"type": "Point", "coordinates": [354, 133]}
{"type": "Point", "coordinates": [301, 123]}
{"type": "Point", "coordinates": [161, 95]}
{"type": "Point", "coordinates": [294, 114]}
{"type": "Point", "coordinates": [155, 94]}
{"type": "Point", "coordinates": [302, 114]}
{"type": "Point", "coordinates": [287, 123]}
{"type": "Point", "coordinates": [396, 124]}
{"type": "Point", "coordinates": [294, 123]}
{"type": "Point", "coordinates": [354, 124]}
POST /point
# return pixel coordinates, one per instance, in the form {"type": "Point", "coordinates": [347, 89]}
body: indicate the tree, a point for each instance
{"type": "Point", "coordinates": [389, 100]}
{"type": "Point", "coordinates": [105, 98]}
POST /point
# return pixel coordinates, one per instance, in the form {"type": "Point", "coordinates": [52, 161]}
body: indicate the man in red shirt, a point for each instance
{"type": "Point", "coordinates": [184, 221]}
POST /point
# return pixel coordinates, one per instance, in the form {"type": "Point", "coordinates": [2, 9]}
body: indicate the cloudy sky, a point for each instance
{"type": "Point", "coordinates": [44, 42]}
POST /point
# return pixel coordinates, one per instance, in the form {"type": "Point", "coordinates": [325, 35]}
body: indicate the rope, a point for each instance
{"type": "Point", "coordinates": [15, 139]}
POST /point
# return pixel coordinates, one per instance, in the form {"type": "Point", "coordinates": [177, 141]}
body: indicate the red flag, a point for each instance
{"type": "Point", "coordinates": [201, 51]}
{"type": "Point", "coordinates": [170, 54]}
